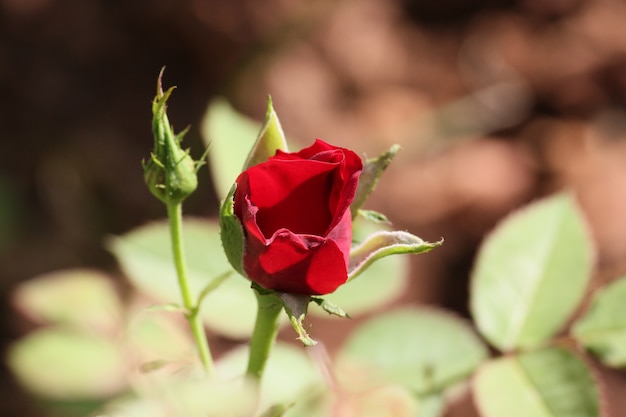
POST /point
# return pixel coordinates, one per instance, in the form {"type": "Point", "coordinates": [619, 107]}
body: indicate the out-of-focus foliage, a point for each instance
{"type": "Point", "coordinates": [494, 103]}
{"type": "Point", "coordinates": [531, 273]}
{"type": "Point", "coordinates": [550, 382]}
{"type": "Point", "coordinates": [399, 363]}
{"type": "Point", "coordinates": [602, 330]}
{"type": "Point", "coordinates": [426, 350]}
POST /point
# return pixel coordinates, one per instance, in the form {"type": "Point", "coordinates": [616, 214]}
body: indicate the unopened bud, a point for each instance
{"type": "Point", "coordinates": [170, 173]}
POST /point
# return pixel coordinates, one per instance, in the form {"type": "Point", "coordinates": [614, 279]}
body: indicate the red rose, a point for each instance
{"type": "Point", "coordinates": [295, 212]}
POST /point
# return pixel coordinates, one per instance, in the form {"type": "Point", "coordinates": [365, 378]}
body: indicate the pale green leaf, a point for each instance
{"type": "Point", "coordinates": [159, 336]}
{"type": "Point", "coordinates": [179, 396]}
{"type": "Point", "coordinates": [196, 397]}
{"type": "Point", "coordinates": [145, 256]}
{"type": "Point", "coordinates": [61, 363]}
{"type": "Point", "coordinates": [425, 350]}
{"type": "Point", "coordinates": [213, 285]}
{"type": "Point", "coordinates": [289, 378]}
{"type": "Point", "coordinates": [82, 297]}
{"type": "Point", "coordinates": [432, 405]}
{"type": "Point", "coordinates": [602, 330]}
{"type": "Point", "coordinates": [550, 382]}
{"type": "Point", "coordinates": [231, 136]}
{"type": "Point", "coordinates": [531, 273]}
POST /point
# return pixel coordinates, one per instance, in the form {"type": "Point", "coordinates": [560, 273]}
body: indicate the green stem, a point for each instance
{"type": "Point", "coordinates": [175, 215]}
{"type": "Point", "coordinates": [264, 334]}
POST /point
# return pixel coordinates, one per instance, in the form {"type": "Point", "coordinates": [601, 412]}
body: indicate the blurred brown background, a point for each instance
{"type": "Point", "coordinates": [495, 103]}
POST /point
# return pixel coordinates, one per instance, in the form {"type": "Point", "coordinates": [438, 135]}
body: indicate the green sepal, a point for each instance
{"type": "Point", "coordinates": [231, 233]}
{"type": "Point", "coordinates": [329, 307]}
{"type": "Point", "coordinates": [372, 170]}
{"type": "Point", "coordinates": [385, 243]}
{"type": "Point", "coordinates": [296, 307]}
{"type": "Point", "coordinates": [270, 139]}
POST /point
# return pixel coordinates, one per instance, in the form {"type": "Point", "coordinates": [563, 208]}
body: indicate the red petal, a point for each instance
{"type": "Point", "coordinates": [297, 264]}
{"type": "Point", "coordinates": [292, 194]}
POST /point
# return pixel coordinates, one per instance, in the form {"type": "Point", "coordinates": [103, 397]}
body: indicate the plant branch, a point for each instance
{"type": "Point", "coordinates": [174, 213]}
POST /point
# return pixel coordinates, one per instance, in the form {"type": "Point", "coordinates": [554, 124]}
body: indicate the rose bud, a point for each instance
{"type": "Point", "coordinates": [294, 210]}
{"type": "Point", "coordinates": [170, 173]}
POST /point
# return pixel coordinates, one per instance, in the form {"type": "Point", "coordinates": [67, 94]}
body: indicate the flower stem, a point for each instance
{"type": "Point", "coordinates": [175, 215]}
{"type": "Point", "coordinates": [264, 334]}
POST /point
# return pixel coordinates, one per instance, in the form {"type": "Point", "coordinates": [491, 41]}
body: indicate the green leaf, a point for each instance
{"type": "Point", "coordinates": [231, 136]}
{"type": "Point", "coordinates": [145, 256]}
{"type": "Point", "coordinates": [159, 336]}
{"type": "Point", "coordinates": [432, 405]}
{"type": "Point", "coordinates": [385, 243]}
{"type": "Point", "coordinates": [550, 382]}
{"type": "Point", "coordinates": [61, 363]}
{"type": "Point", "coordinates": [82, 297]}
{"type": "Point", "coordinates": [213, 285]}
{"type": "Point", "coordinates": [189, 397]}
{"type": "Point", "coordinates": [289, 375]}
{"type": "Point", "coordinates": [531, 273]}
{"type": "Point", "coordinates": [196, 397]}
{"type": "Point", "coordinates": [372, 170]}
{"type": "Point", "coordinates": [423, 349]}
{"type": "Point", "coordinates": [270, 139]}
{"type": "Point", "coordinates": [602, 330]}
